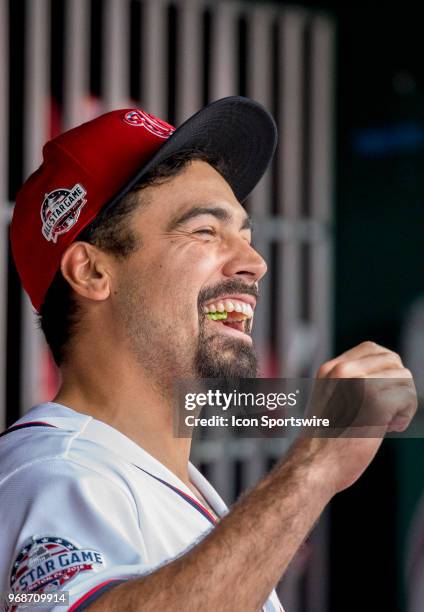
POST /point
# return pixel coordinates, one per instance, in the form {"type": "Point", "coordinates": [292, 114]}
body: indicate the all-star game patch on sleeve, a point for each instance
{"type": "Point", "coordinates": [48, 563]}
{"type": "Point", "coordinates": [80, 534]}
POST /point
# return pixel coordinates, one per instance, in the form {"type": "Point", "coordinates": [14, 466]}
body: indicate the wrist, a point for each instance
{"type": "Point", "coordinates": [308, 458]}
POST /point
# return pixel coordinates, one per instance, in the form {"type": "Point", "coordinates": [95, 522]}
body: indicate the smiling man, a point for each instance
{"type": "Point", "coordinates": [134, 247]}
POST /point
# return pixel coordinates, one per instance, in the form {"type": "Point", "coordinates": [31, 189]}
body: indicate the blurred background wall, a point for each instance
{"type": "Point", "coordinates": [339, 218]}
{"type": "Point", "coordinates": [379, 215]}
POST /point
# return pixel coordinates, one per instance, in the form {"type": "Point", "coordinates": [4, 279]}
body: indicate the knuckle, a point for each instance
{"type": "Point", "coordinates": [369, 344]}
{"type": "Point", "coordinates": [323, 370]}
{"type": "Point", "coordinates": [413, 404]}
{"type": "Point", "coordinates": [396, 357]}
{"type": "Point", "coordinates": [341, 370]}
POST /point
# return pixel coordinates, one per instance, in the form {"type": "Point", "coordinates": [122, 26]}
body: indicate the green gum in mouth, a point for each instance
{"type": "Point", "coordinates": [217, 316]}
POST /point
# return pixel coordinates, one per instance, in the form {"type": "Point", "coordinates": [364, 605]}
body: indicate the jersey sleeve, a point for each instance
{"type": "Point", "coordinates": [68, 528]}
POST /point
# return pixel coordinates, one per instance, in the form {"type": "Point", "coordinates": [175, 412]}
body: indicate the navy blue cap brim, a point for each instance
{"type": "Point", "coordinates": [236, 129]}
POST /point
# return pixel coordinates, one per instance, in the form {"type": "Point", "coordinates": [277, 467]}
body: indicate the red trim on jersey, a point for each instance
{"type": "Point", "coordinates": [27, 424]}
{"type": "Point", "coordinates": [91, 592]}
{"type": "Point", "coordinates": [191, 500]}
{"type": "Point", "coordinates": [197, 503]}
{"type": "Point", "coordinates": [31, 423]}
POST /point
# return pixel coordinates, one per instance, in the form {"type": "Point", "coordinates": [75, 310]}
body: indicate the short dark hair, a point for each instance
{"type": "Point", "coordinates": [110, 231]}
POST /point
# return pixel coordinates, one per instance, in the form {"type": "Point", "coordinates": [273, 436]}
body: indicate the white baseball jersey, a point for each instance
{"type": "Point", "coordinates": [84, 508]}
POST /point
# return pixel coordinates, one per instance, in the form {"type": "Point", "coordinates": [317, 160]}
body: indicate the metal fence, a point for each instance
{"type": "Point", "coordinates": [65, 61]}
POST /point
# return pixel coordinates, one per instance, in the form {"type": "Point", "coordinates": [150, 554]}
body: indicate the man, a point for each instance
{"type": "Point", "coordinates": [125, 239]}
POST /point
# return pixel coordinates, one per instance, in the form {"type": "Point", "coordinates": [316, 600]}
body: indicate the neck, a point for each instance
{"type": "Point", "coordinates": [121, 394]}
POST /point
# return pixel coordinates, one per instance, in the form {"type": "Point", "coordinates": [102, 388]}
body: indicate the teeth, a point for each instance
{"type": "Point", "coordinates": [229, 306]}
{"type": "Point", "coordinates": [217, 316]}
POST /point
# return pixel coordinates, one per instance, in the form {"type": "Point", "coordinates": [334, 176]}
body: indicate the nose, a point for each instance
{"type": "Point", "coordinates": [246, 263]}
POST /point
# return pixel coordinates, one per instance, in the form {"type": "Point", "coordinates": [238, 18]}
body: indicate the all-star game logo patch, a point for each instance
{"type": "Point", "coordinates": [45, 564]}
{"type": "Point", "coordinates": [139, 118]}
{"type": "Point", "coordinates": [60, 210]}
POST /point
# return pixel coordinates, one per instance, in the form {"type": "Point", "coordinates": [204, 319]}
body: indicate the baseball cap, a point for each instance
{"type": "Point", "coordinates": [90, 167]}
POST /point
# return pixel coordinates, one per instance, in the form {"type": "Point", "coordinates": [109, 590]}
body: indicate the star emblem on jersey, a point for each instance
{"type": "Point", "coordinates": [139, 118]}
{"type": "Point", "coordinates": [60, 210]}
{"type": "Point", "coordinates": [45, 564]}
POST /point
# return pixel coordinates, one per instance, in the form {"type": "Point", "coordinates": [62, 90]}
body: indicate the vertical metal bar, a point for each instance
{"type": "Point", "coordinates": [224, 52]}
{"type": "Point", "coordinates": [321, 279]}
{"type": "Point", "coordinates": [222, 80]}
{"type": "Point", "coordinates": [154, 57]}
{"type": "Point", "coordinates": [4, 208]}
{"type": "Point", "coordinates": [259, 88]}
{"type": "Point", "coordinates": [222, 469]}
{"type": "Point", "coordinates": [77, 62]}
{"type": "Point", "coordinates": [290, 176]}
{"type": "Point", "coordinates": [36, 110]}
{"type": "Point", "coordinates": [189, 76]}
{"type": "Point", "coordinates": [321, 161]}
{"type": "Point", "coordinates": [37, 64]}
{"type": "Point", "coordinates": [115, 76]}
{"type": "Point", "coordinates": [290, 62]}
{"type": "Point", "coordinates": [259, 82]}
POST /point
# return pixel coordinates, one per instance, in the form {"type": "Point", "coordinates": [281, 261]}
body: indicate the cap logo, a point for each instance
{"type": "Point", "coordinates": [60, 210]}
{"type": "Point", "coordinates": [140, 118]}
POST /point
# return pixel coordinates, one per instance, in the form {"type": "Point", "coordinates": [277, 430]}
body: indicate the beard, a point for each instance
{"type": "Point", "coordinates": [211, 355]}
{"type": "Point", "coordinates": [218, 357]}
{"type": "Point", "coordinates": [228, 358]}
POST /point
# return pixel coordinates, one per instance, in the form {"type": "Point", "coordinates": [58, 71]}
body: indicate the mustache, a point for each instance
{"type": "Point", "coordinates": [227, 287]}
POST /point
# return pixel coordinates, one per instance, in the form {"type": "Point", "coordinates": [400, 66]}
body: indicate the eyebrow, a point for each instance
{"type": "Point", "coordinates": [216, 211]}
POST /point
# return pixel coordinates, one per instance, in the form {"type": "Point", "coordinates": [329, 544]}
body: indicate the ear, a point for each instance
{"type": "Point", "coordinates": [86, 270]}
